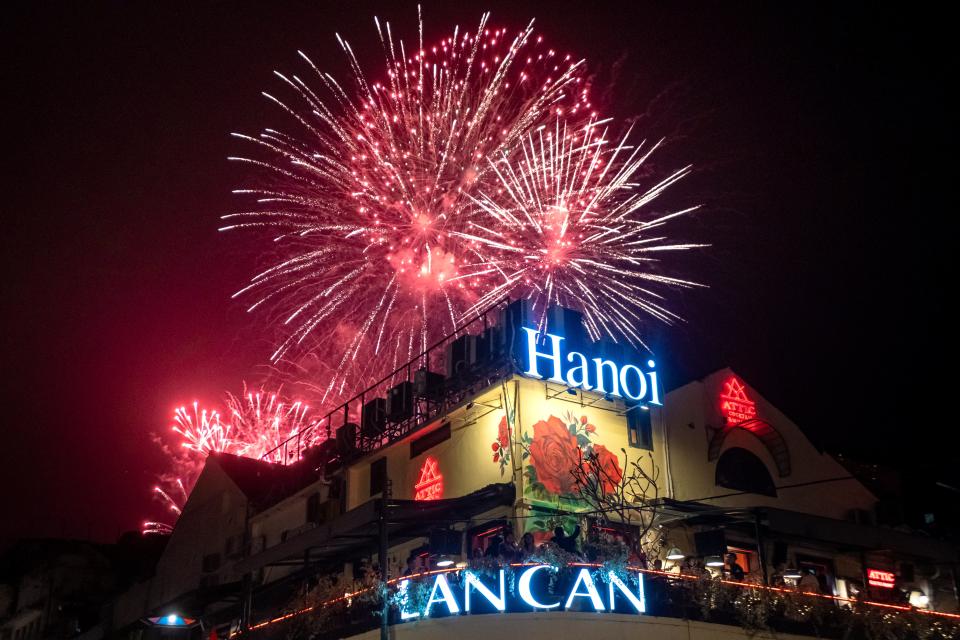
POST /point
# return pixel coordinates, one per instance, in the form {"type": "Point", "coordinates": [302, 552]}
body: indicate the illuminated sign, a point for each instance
{"type": "Point", "coordinates": [430, 484]}
{"type": "Point", "coordinates": [171, 620]}
{"type": "Point", "coordinates": [735, 405]}
{"type": "Point", "coordinates": [466, 592]}
{"type": "Point", "coordinates": [882, 579]}
{"type": "Point", "coordinates": [596, 374]}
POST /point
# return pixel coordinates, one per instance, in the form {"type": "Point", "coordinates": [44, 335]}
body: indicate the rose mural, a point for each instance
{"type": "Point", "coordinates": [501, 446]}
{"type": "Point", "coordinates": [555, 449]}
{"type": "Point", "coordinates": [554, 455]}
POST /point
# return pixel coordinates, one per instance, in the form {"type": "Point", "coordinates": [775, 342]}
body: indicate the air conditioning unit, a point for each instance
{"type": "Point", "coordinates": [346, 439]}
{"type": "Point", "coordinates": [428, 384]}
{"type": "Point", "coordinates": [484, 348]}
{"type": "Point", "coordinates": [373, 418]}
{"type": "Point", "coordinates": [515, 316]}
{"type": "Point", "coordinates": [457, 359]}
{"type": "Point", "coordinates": [400, 402]}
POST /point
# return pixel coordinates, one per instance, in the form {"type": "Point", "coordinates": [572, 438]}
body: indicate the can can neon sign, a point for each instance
{"type": "Point", "coordinates": [454, 594]}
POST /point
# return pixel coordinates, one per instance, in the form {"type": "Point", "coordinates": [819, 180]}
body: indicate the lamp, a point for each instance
{"type": "Point", "coordinates": [792, 573]}
{"type": "Point", "coordinates": [675, 554]}
{"type": "Point", "coordinates": [445, 561]}
{"type": "Point", "coordinates": [919, 599]}
{"type": "Point", "coordinates": [713, 561]}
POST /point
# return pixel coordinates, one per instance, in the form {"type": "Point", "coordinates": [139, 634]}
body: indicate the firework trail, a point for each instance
{"type": "Point", "coordinates": [262, 421]}
{"type": "Point", "coordinates": [251, 425]}
{"type": "Point", "coordinates": [568, 224]}
{"type": "Point", "coordinates": [368, 202]}
{"type": "Point", "coordinates": [201, 430]}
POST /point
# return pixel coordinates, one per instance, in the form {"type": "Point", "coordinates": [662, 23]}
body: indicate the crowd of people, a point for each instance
{"type": "Point", "coordinates": [507, 549]}
{"type": "Point", "coordinates": [504, 548]}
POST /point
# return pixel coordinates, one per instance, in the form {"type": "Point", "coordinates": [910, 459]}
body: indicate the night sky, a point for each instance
{"type": "Point", "coordinates": [820, 136]}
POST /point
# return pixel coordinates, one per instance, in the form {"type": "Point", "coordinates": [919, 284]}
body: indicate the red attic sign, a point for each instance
{"type": "Point", "coordinates": [430, 484]}
{"type": "Point", "coordinates": [882, 579]}
{"type": "Point", "coordinates": [735, 405]}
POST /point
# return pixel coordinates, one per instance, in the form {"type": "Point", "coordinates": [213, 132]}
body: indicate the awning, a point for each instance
{"type": "Point", "coordinates": [359, 527]}
{"type": "Point", "coordinates": [804, 526]}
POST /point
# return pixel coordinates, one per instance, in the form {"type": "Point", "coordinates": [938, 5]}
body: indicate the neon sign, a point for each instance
{"type": "Point", "coordinates": [532, 592]}
{"type": "Point", "coordinates": [171, 620]}
{"type": "Point", "coordinates": [598, 374]}
{"type": "Point", "coordinates": [735, 405]}
{"type": "Point", "coordinates": [882, 579]}
{"type": "Point", "coordinates": [430, 484]}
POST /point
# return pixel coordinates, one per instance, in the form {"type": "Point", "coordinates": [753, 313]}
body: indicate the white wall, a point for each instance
{"type": "Point", "coordinates": [560, 625]}
{"type": "Point", "coordinates": [688, 412]}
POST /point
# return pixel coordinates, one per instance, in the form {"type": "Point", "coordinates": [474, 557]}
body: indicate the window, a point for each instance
{"type": "Point", "coordinates": [211, 562]}
{"type": "Point", "coordinates": [430, 440]}
{"type": "Point", "coordinates": [378, 476]}
{"type": "Point", "coordinates": [480, 537]}
{"type": "Point", "coordinates": [639, 428]}
{"type": "Point", "coordinates": [741, 470]}
{"type": "Point", "coordinates": [745, 558]}
{"type": "Point", "coordinates": [314, 514]}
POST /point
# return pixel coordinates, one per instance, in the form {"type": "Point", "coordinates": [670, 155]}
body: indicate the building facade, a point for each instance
{"type": "Point", "coordinates": [559, 467]}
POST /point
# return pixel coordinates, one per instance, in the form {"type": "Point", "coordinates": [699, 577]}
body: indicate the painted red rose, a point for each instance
{"type": "Point", "coordinates": [609, 465]}
{"type": "Point", "coordinates": [554, 455]}
{"type": "Point", "coordinates": [503, 433]}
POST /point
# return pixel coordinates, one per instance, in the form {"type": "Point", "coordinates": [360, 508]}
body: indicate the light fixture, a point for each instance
{"type": "Point", "coordinates": [792, 573]}
{"type": "Point", "coordinates": [445, 561]}
{"type": "Point", "coordinates": [919, 599]}
{"type": "Point", "coordinates": [645, 407]}
{"type": "Point", "coordinates": [469, 406]}
{"type": "Point", "coordinates": [675, 554]}
{"type": "Point", "coordinates": [713, 561]}
{"type": "Point", "coordinates": [572, 392]}
{"type": "Point", "coordinates": [171, 620]}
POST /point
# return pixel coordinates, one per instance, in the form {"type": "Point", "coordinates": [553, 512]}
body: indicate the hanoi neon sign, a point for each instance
{"type": "Point", "coordinates": [600, 375]}
{"type": "Point", "coordinates": [454, 594]}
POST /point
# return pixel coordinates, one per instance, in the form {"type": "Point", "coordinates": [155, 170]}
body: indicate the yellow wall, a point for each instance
{"type": "Point", "coordinates": [465, 460]}
{"type": "Point", "coordinates": [553, 424]}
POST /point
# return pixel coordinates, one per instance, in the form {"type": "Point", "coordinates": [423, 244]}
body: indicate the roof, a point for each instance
{"type": "Point", "coordinates": [264, 483]}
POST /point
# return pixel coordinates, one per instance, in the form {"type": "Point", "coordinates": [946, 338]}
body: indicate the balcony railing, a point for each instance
{"type": "Point", "coordinates": [346, 425]}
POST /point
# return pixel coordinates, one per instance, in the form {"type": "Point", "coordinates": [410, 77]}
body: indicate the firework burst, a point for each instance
{"type": "Point", "coordinates": [253, 424]}
{"type": "Point", "coordinates": [568, 223]}
{"type": "Point", "coordinates": [367, 203]}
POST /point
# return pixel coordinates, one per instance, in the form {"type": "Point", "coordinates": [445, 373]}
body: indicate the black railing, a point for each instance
{"type": "Point", "coordinates": [347, 431]}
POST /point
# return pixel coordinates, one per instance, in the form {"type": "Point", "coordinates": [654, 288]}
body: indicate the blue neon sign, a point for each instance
{"type": "Point", "coordinates": [532, 592]}
{"type": "Point", "coordinates": [545, 359]}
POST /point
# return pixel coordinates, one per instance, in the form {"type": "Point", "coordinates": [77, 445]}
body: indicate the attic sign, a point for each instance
{"type": "Point", "coordinates": [586, 589]}
{"type": "Point", "coordinates": [882, 579]}
{"type": "Point", "coordinates": [551, 361]}
{"type": "Point", "coordinates": [430, 484]}
{"type": "Point", "coordinates": [735, 405]}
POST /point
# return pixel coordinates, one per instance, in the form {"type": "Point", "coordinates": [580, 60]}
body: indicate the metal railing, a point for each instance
{"type": "Point", "coordinates": [424, 409]}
